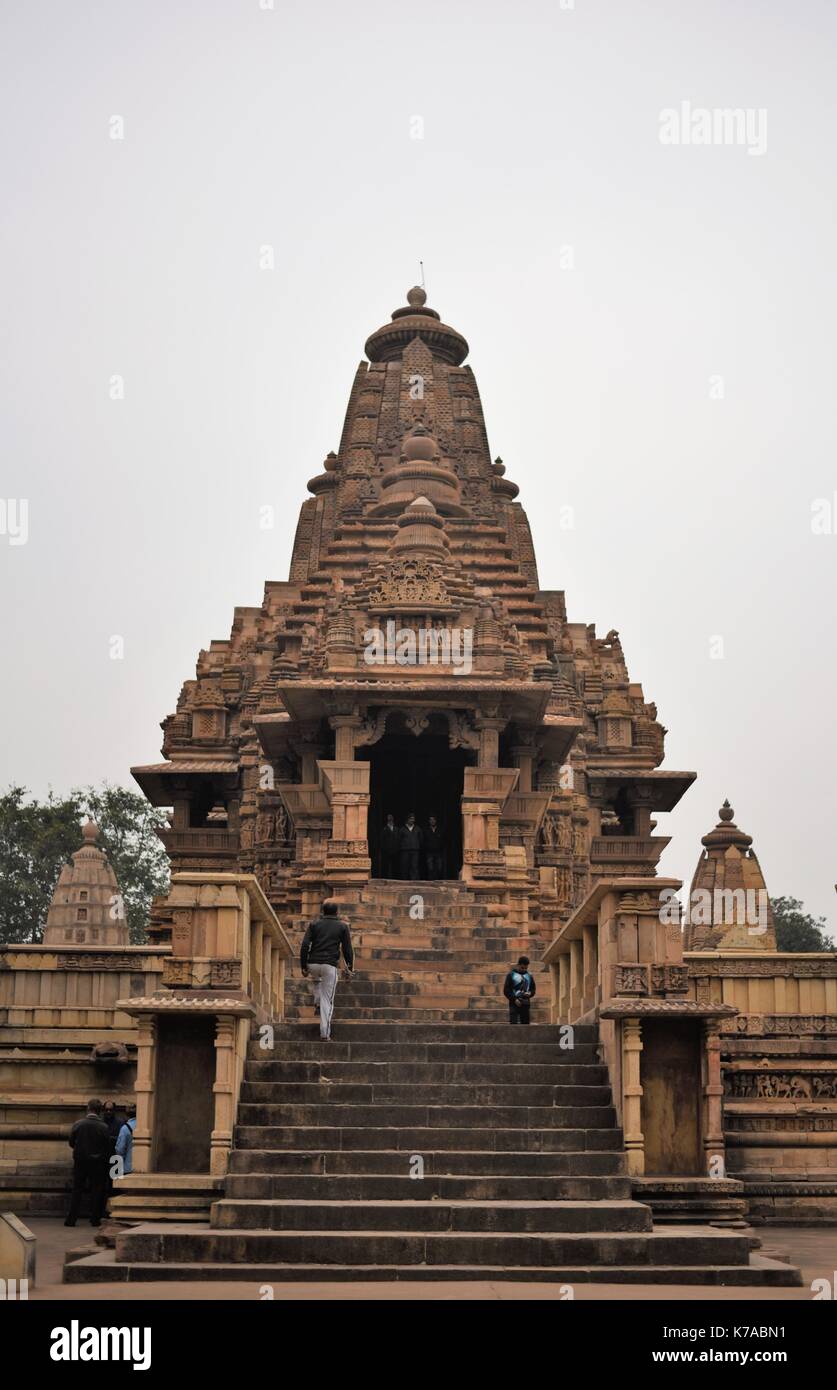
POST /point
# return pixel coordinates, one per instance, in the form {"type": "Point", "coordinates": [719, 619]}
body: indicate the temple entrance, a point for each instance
{"type": "Point", "coordinates": [421, 774]}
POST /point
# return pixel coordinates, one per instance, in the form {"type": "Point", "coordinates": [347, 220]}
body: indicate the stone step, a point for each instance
{"type": "Point", "coordinates": [271, 1118]}
{"type": "Point", "coordinates": [564, 1157]}
{"type": "Point", "coordinates": [439, 1073]}
{"type": "Point", "coordinates": [418, 1014]}
{"type": "Point", "coordinates": [156, 1243]}
{"type": "Point", "coordinates": [444, 1031]}
{"type": "Point", "coordinates": [403, 1214]}
{"type": "Point", "coordinates": [758, 1272]}
{"type": "Point", "coordinates": [513, 1052]}
{"type": "Point", "coordinates": [568, 1146]}
{"type": "Point", "coordinates": [263, 1101]}
{"type": "Point", "coordinates": [365, 1187]}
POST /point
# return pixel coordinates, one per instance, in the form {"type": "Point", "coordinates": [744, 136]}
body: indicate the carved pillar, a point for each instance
{"type": "Point", "coordinates": [489, 749]}
{"type": "Point", "coordinates": [712, 1111]}
{"type": "Point", "coordinates": [564, 988]}
{"type": "Point", "coordinates": [632, 1096]}
{"type": "Point", "coordinates": [144, 1093]}
{"type": "Point", "coordinates": [224, 1089]}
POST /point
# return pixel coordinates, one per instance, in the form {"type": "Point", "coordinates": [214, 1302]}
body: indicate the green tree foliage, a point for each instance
{"type": "Point", "coordinates": [38, 837]}
{"type": "Point", "coordinates": [797, 930]}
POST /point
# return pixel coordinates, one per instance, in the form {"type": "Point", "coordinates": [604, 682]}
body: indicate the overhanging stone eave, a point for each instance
{"type": "Point", "coordinates": [156, 779]}
{"type": "Point", "coordinates": [667, 787]}
{"type": "Point", "coordinates": [305, 700]}
{"type": "Point", "coordinates": [665, 1008]}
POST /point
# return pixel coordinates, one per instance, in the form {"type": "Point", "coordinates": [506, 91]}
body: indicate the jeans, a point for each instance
{"type": "Point", "coordinates": [518, 1014]}
{"type": "Point", "coordinates": [325, 987]}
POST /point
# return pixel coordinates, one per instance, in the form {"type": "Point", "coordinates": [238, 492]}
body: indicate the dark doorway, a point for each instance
{"type": "Point", "coordinates": [185, 1100]}
{"type": "Point", "coordinates": [421, 774]}
{"type": "Point", "coordinates": [670, 1076]}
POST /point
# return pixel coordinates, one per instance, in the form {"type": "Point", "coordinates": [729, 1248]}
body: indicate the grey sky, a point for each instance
{"type": "Point", "coordinates": [247, 127]}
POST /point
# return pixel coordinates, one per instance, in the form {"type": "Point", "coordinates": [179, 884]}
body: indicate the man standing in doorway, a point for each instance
{"type": "Point", "coordinates": [409, 848]}
{"type": "Point", "coordinates": [519, 989]}
{"type": "Point", "coordinates": [389, 849]}
{"type": "Point", "coordinates": [434, 849]}
{"type": "Point", "coordinates": [319, 958]}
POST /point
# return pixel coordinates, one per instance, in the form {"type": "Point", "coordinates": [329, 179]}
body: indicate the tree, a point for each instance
{"type": "Point", "coordinates": [37, 838]}
{"type": "Point", "coordinates": [797, 930]}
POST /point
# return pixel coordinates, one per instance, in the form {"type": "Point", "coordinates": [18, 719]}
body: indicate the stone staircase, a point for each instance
{"type": "Point", "coordinates": [436, 1150]}
{"type": "Point", "coordinates": [446, 965]}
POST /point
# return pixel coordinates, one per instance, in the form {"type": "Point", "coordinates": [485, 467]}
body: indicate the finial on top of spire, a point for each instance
{"type": "Point", "coordinates": [417, 297]}
{"type": "Point", "coordinates": [726, 812]}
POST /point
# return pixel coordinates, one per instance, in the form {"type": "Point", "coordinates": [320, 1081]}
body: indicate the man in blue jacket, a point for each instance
{"type": "Point", "coordinates": [519, 988]}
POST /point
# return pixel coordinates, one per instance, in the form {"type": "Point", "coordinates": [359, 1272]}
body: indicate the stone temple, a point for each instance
{"type": "Point", "coordinates": [677, 1073]}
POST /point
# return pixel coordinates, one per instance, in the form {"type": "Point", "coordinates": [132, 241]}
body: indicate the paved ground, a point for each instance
{"type": "Point", "coordinates": [814, 1250]}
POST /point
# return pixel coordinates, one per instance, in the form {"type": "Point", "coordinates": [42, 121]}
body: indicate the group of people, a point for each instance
{"type": "Point", "coordinates": [329, 937]}
{"type": "Point", "coordinates": [404, 846]}
{"type": "Point", "coordinates": [95, 1140]}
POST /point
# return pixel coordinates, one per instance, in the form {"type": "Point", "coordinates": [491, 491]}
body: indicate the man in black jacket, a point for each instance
{"type": "Point", "coordinates": [410, 841]}
{"type": "Point", "coordinates": [319, 958]}
{"type": "Point", "coordinates": [434, 849]}
{"type": "Point", "coordinates": [519, 987]}
{"type": "Point", "coordinates": [389, 849]}
{"type": "Point", "coordinates": [91, 1146]}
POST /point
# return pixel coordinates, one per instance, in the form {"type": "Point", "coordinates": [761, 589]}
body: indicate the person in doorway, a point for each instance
{"type": "Point", "coordinates": [410, 841]}
{"type": "Point", "coordinates": [125, 1141]}
{"type": "Point", "coordinates": [434, 849]}
{"type": "Point", "coordinates": [389, 849]}
{"type": "Point", "coordinates": [319, 958]}
{"type": "Point", "coordinates": [519, 989]}
{"type": "Point", "coordinates": [91, 1146]}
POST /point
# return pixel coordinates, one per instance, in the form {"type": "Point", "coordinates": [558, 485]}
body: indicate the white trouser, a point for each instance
{"type": "Point", "coordinates": [325, 986]}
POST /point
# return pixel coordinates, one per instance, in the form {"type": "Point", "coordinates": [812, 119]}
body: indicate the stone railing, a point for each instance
{"type": "Point", "coordinates": [225, 974]}
{"type": "Point", "coordinates": [618, 963]}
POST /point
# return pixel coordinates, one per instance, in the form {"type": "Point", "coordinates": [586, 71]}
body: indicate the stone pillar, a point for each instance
{"type": "Point", "coordinates": [144, 1093]}
{"type": "Point", "coordinates": [712, 1110]}
{"type": "Point", "coordinates": [576, 981]}
{"type": "Point", "coordinates": [563, 988]}
{"type": "Point", "coordinates": [225, 1091]}
{"type": "Point", "coordinates": [489, 749]}
{"type": "Point", "coordinates": [632, 1097]}
{"type": "Point", "coordinates": [590, 953]}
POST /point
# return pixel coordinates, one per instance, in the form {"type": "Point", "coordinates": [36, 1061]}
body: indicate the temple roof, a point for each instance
{"type": "Point", "coordinates": [729, 906]}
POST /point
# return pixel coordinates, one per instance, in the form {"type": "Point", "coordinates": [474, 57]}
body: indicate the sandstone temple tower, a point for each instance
{"type": "Point", "coordinates": [540, 756]}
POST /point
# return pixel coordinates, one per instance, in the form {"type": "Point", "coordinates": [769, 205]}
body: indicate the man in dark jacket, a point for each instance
{"type": "Point", "coordinates": [410, 841]}
{"type": "Point", "coordinates": [434, 849]}
{"type": "Point", "coordinates": [91, 1146]}
{"type": "Point", "coordinates": [389, 849]}
{"type": "Point", "coordinates": [319, 958]}
{"type": "Point", "coordinates": [519, 987]}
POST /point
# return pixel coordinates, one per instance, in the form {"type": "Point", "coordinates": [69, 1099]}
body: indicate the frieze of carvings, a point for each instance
{"type": "Point", "coordinates": [773, 1085]}
{"type": "Point", "coordinates": [783, 1025]}
{"type": "Point", "coordinates": [177, 973]}
{"type": "Point", "coordinates": [417, 720]}
{"type": "Point", "coordinates": [225, 974]}
{"type": "Point", "coordinates": [798, 969]}
{"type": "Point", "coordinates": [766, 1124]}
{"type": "Point", "coordinates": [463, 734]}
{"type": "Point", "coordinates": [631, 979]}
{"type": "Point", "coordinates": [91, 960]}
{"type": "Point", "coordinates": [669, 979]}
{"type": "Point", "coordinates": [410, 582]}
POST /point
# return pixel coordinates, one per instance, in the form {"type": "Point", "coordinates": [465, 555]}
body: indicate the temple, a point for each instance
{"type": "Point", "coordinates": [680, 1077]}
{"type": "Point", "coordinates": [412, 661]}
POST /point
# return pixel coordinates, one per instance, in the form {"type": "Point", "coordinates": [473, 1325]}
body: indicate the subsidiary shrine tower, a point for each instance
{"type": "Point", "coordinates": [540, 756]}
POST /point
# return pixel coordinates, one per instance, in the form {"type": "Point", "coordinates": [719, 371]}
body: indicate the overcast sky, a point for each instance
{"type": "Point", "coordinates": [651, 324]}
